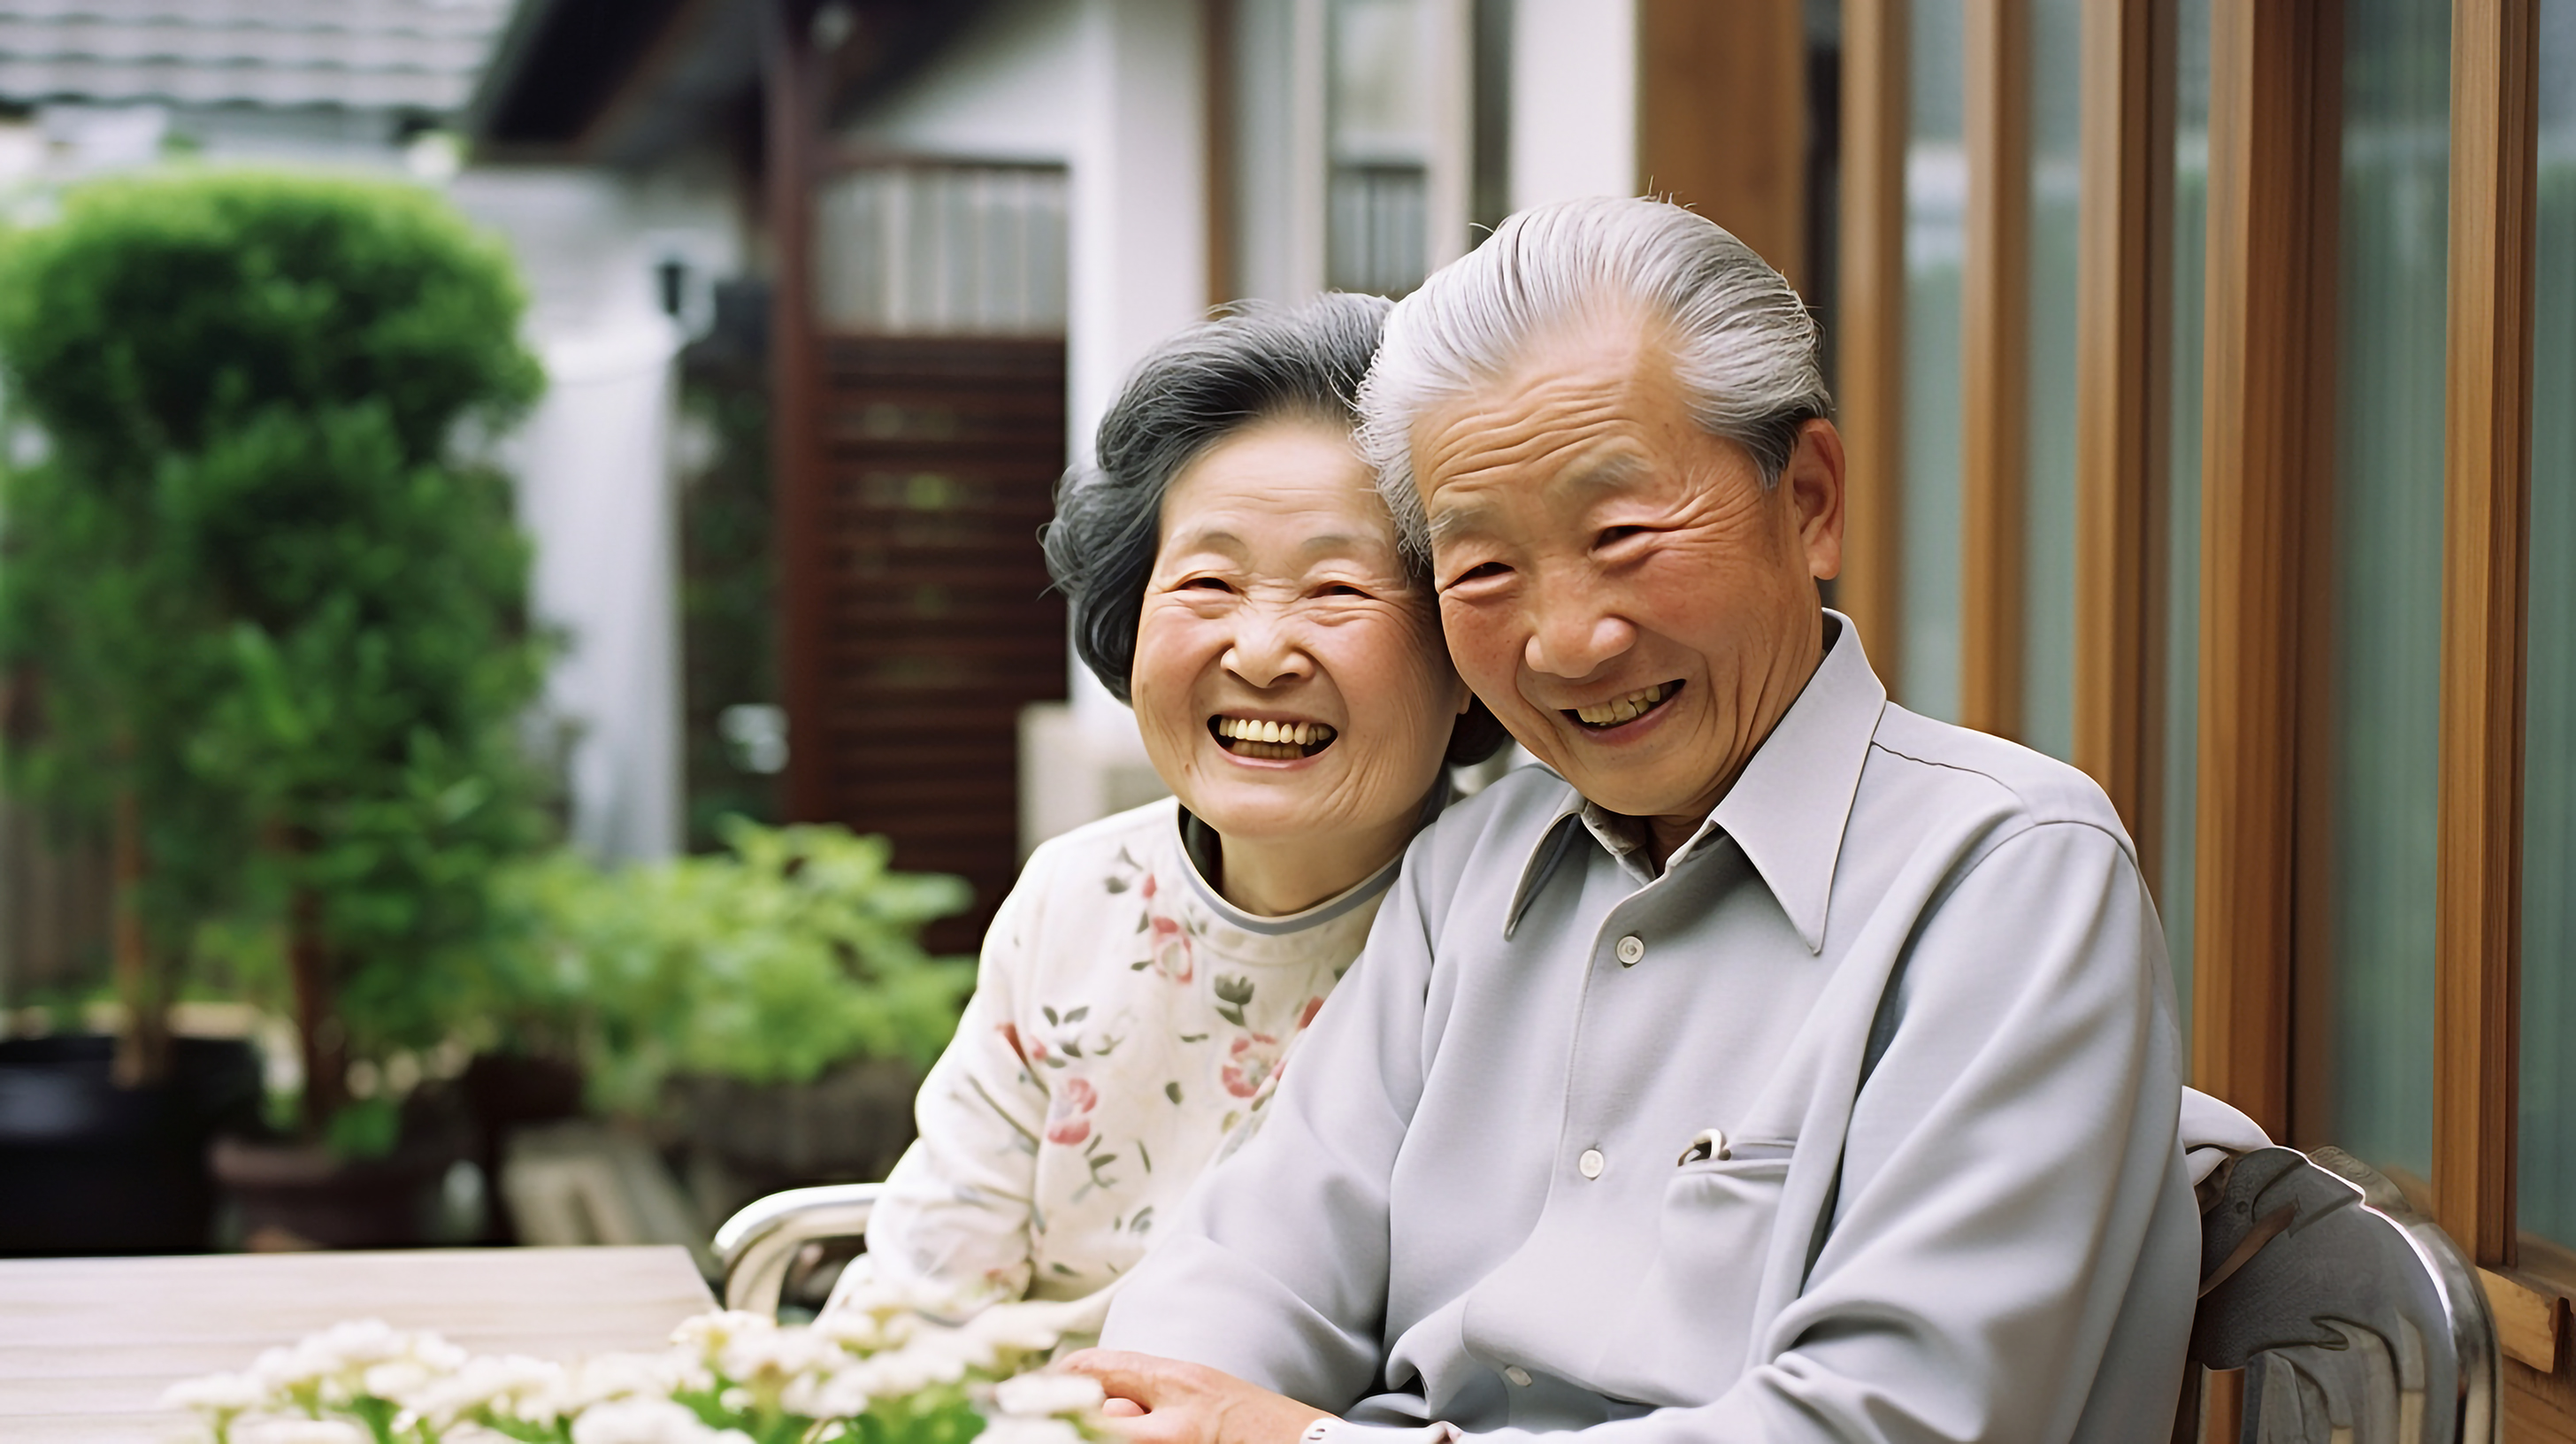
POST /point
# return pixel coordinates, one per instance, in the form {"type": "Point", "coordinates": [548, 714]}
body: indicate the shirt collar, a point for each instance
{"type": "Point", "coordinates": [1787, 809]}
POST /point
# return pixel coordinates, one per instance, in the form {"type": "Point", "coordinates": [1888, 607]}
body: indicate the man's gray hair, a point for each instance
{"type": "Point", "coordinates": [1743, 346]}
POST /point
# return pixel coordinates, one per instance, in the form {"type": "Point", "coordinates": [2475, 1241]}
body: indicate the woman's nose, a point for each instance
{"type": "Point", "coordinates": [1266, 649]}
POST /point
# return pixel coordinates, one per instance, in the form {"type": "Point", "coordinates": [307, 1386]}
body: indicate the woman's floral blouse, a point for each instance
{"type": "Point", "coordinates": [1127, 1024]}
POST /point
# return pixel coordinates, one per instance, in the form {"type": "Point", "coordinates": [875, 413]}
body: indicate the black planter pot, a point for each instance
{"type": "Point", "coordinates": [293, 1194]}
{"type": "Point", "coordinates": [87, 1167]}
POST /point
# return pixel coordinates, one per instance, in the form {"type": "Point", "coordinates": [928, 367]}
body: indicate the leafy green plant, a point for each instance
{"type": "Point", "coordinates": [795, 950]}
{"type": "Point", "coordinates": [261, 610]}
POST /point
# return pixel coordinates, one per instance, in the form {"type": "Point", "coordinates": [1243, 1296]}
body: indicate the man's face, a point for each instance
{"type": "Point", "coordinates": [1617, 583]}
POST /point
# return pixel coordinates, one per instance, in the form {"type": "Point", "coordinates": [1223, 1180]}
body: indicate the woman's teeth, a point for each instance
{"type": "Point", "coordinates": [1247, 737]}
{"type": "Point", "coordinates": [1624, 709]}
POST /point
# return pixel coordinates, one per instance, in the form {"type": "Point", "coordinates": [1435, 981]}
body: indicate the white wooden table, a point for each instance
{"type": "Point", "coordinates": [87, 1345]}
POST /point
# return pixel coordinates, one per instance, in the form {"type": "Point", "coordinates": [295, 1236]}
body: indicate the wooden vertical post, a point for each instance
{"type": "Point", "coordinates": [1722, 118]}
{"type": "Point", "coordinates": [1994, 329]}
{"type": "Point", "coordinates": [792, 107]}
{"type": "Point", "coordinates": [2124, 333]}
{"type": "Point", "coordinates": [1869, 347]}
{"type": "Point", "coordinates": [2266, 462]}
{"type": "Point", "coordinates": [2485, 563]}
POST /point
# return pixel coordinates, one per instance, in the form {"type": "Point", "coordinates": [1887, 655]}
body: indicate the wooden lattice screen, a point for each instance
{"type": "Point", "coordinates": [936, 623]}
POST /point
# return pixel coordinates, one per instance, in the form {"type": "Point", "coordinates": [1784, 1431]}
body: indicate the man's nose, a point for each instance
{"type": "Point", "coordinates": [1267, 649]}
{"type": "Point", "coordinates": [1575, 641]}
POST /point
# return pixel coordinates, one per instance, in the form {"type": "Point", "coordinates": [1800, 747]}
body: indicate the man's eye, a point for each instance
{"type": "Point", "coordinates": [1206, 584]}
{"type": "Point", "coordinates": [1613, 535]}
{"type": "Point", "coordinates": [1481, 572]}
{"type": "Point", "coordinates": [1339, 589]}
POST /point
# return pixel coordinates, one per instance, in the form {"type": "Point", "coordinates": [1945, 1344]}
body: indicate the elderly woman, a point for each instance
{"type": "Point", "coordinates": [1235, 577]}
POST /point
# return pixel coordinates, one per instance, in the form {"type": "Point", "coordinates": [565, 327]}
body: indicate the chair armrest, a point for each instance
{"type": "Point", "coordinates": [758, 1244]}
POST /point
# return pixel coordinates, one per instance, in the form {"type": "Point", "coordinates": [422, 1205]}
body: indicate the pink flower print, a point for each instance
{"type": "Point", "coordinates": [1148, 888]}
{"type": "Point", "coordinates": [1068, 1118]}
{"type": "Point", "coordinates": [1250, 1063]}
{"type": "Point", "coordinates": [1313, 1006]}
{"type": "Point", "coordinates": [1172, 954]}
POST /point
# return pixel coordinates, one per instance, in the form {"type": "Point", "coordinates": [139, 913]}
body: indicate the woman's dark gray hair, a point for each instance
{"type": "Point", "coordinates": [1742, 343]}
{"type": "Point", "coordinates": [1255, 364]}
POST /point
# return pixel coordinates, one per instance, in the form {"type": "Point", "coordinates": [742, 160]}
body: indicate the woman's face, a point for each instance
{"type": "Point", "coordinates": [1290, 679]}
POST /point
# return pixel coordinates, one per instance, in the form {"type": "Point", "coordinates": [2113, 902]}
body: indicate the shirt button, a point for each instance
{"type": "Point", "coordinates": [1631, 948]}
{"type": "Point", "coordinates": [1519, 1376]}
{"type": "Point", "coordinates": [1591, 1163]}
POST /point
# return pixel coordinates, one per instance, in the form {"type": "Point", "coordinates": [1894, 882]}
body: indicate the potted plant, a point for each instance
{"type": "Point", "coordinates": [771, 1004]}
{"type": "Point", "coordinates": [265, 610]}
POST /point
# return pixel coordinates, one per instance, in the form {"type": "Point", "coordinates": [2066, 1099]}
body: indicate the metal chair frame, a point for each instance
{"type": "Point", "coordinates": [758, 1245]}
{"type": "Point", "coordinates": [2355, 1318]}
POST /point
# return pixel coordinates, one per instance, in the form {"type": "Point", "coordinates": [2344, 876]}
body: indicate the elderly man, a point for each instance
{"type": "Point", "coordinates": [1780, 1064]}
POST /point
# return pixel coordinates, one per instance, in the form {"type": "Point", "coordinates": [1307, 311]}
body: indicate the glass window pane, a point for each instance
{"type": "Point", "coordinates": [2385, 704]}
{"type": "Point", "coordinates": [1376, 236]}
{"type": "Point", "coordinates": [2178, 815]}
{"type": "Point", "coordinates": [1936, 201]}
{"type": "Point", "coordinates": [2548, 1162]}
{"type": "Point", "coordinates": [2048, 515]}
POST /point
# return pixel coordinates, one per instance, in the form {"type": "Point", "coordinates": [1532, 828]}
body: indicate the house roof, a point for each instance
{"type": "Point", "coordinates": [621, 82]}
{"type": "Point", "coordinates": [420, 55]}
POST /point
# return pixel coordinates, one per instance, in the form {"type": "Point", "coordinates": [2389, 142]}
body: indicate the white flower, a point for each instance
{"type": "Point", "coordinates": [508, 1386]}
{"type": "Point", "coordinates": [1018, 1429]}
{"type": "Point", "coordinates": [886, 1298]}
{"type": "Point", "coordinates": [601, 1378]}
{"type": "Point", "coordinates": [711, 1334]}
{"type": "Point", "coordinates": [397, 1380]}
{"type": "Point", "coordinates": [1019, 1328]}
{"type": "Point", "coordinates": [219, 1394]}
{"type": "Point", "coordinates": [864, 1332]}
{"type": "Point", "coordinates": [778, 1355]}
{"type": "Point", "coordinates": [910, 1369]}
{"type": "Point", "coordinates": [1047, 1392]}
{"type": "Point", "coordinates": [300, 1431]}
{"type": "Point", "coordinates": [359, 1343]}
{"type": "Point", "coordinates": [648, 1421]}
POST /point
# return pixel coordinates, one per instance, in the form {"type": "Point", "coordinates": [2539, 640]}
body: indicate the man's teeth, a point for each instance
{"type": "Point", "coordinates": [1623, 709]}
{"type": "Point", "coordinates": [1293, 734]}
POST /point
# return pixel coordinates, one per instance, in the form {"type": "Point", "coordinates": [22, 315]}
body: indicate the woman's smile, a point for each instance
{"type": "Point", "coordinates": [1269, 739]}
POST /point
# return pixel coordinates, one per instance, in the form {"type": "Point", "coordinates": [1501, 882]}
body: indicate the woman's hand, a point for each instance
{"type": "Point", "coordinates": [1163, 1401]}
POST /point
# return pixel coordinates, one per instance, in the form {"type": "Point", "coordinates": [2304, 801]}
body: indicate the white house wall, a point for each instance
{"type": "Point", "coordinates": [1574, 100]}
{"type": "Point", "coordinates": [1005, 89]}
{"type": "Point", "coordinates": [594, 464]}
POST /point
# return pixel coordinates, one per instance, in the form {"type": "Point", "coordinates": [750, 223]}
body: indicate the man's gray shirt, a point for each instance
{"type": "Point", "coordinates": [1477, 1203]}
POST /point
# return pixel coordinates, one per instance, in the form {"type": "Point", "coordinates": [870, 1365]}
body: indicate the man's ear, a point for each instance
{"type": "Point", "coordinates": [1814, 481]}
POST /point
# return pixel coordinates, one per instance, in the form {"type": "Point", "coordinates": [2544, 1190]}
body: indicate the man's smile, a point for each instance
{"type": "Point", "coordinates": [1622, 710]}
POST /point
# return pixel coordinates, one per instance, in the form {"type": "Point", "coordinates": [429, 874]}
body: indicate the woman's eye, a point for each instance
{"type": "Point", "coordinates": [1613, 535]}
{"type": "Point", "coordinates": [1206, 584]}
{"type": "Point", "coordinates": [1482, 571]}
{"type": "Point", "coordinates": [1339, 589]}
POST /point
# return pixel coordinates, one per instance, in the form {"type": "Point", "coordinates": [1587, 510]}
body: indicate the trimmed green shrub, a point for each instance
{"type": "Point", "coordinates": [264, 610]}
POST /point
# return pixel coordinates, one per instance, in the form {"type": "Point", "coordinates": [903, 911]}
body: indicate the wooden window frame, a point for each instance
{"type": "Point", "coordinates": [2123, 441]}
{"type": "Point", "coordinates": [2488, 375]}
{"type": "Point", "coordinates": [2266, 536]}
{"type": "Point", "coordinates": [1994, 379]}
{"type": "Point", "coordinates": [2266, 459]}
{"type": "Point", "coordinates": [1869, 355]}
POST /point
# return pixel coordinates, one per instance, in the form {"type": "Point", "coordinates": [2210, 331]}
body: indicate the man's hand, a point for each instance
{"type": "Point", "coordinates": [1162, 1401]}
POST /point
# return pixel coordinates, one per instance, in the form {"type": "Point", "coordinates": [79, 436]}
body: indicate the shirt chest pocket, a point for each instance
{"type": "Point", "coordinates": [1685, 1343]}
